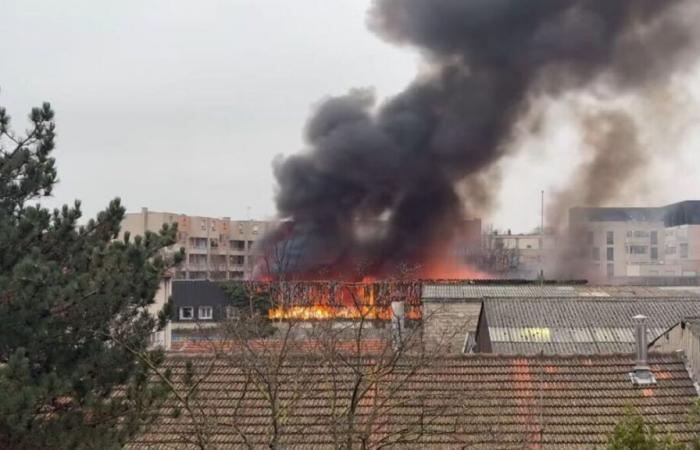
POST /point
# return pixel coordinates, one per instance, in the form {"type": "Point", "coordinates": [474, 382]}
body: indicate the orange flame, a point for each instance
{"type": "Point", "coordinates": [349, 301]}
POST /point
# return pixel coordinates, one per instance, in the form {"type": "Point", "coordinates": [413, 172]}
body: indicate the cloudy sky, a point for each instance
{"type": "Point", "coordinates": [181, 105]}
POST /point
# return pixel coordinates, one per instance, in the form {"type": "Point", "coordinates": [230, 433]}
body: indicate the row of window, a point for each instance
{"type": "Point", "coordinates": [610, 236]}
{"type": "Point", "coordinates": [610, 254]}
{"type": "Point", "coordinates": [682, 249]}
{"type": "Point", "coordinates": [237, 245]}
{"type": "Point", "coordinates": [203, 226]}
{"type": "Point", "coordinates": [202, 275]}
{"type": "Point", "coordinates": [234, 260]}
{"type": "Point", "coordinates": [203, 313]}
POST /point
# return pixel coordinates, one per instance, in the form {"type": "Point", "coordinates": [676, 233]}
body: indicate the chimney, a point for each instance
{"type": "Point", "coordinates": [641, 374]}
{"type": "Point", "coordinates": [397, 324]}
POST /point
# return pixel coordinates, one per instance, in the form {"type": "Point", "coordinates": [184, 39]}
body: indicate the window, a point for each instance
{"type": "Point", "coordinates": [670, 250]}
{"type": "Point", "coordinates": [206, 313]}
{"type": "Point", "coordinates": [654, 253]}
{"type": "Point", "coordinates": [238, 245]}
{"type": "Point", "coordinates": [611, 270]}
{"type": "Point", "coordinates": [654, 237]}
{"type": "Point", "coordinates": [595, 254]}
{"type": "Point", "coordinates": [237, 260]}
{"type": "Point", "coordinates": [611, 254]}
{"type": "Point", "coordinates": [236, 275]}
{"type": "Point", "coordinates": [684, 250]}
{"type": "Point", "coordinates": [186, 313]}
{"type": "Point", "coordinates": [610, 238]}
{"type": "Point", "coordinates": [200, 260]}
{"type": "Point", "coordinates": [641, 234]}
{"type": "Point", "coordinates": [638, 249]}
{"type": "Point", "coordinates": [200, 243]}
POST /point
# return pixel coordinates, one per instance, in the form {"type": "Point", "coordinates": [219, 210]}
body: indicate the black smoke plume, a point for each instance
{"type": "Point", "coordinates": [397, 165]}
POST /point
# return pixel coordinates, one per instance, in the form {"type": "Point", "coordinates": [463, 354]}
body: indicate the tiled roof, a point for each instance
{"type": "Point", "coordinates": [477, 291]}
{"type": "Point", "coordinates": [478, 401]}
{"type": "Point", "coordinates": [575, 325]}
{"type": "Point", "coordinates": [370, 346]}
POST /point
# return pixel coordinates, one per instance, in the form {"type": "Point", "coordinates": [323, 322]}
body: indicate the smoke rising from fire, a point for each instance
{"type": "Point", "coordinates": [411, 164]}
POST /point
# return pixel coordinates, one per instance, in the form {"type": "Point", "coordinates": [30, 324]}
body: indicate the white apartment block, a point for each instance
{"type": "Point", "coordinates": [639, 242]}
{"type": "Point", "coordinates": [215, 248]}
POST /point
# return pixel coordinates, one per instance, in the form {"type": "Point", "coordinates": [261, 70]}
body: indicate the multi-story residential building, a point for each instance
{"type": "Point", "coordinates": [216, 249]}
{"type": "Point", "coordinates": [638, 242]}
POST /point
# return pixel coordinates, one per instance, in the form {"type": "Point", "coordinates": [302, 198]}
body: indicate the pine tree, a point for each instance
{"type": "Point", "coordinates": [72, 307]}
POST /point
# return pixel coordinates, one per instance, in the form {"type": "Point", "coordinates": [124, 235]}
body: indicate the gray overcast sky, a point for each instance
{"type": "Point", "coordinates": [182, 105]}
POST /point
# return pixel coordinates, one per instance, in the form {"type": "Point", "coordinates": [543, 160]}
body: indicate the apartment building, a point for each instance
{"type": "Point", "coordinates": [215, 248]}
{"type": "Point", "coordinates": [638, 242]}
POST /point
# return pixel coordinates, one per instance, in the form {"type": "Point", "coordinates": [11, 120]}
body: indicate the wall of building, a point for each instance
{"type": "Point", "coordinates": [447, 322]}
{"type": "Point", "coordinates": [647, 242]}
{"type": "Point", "coordinates": [519, 255]}
{"type": "Point", "coordinates": [683, 337]}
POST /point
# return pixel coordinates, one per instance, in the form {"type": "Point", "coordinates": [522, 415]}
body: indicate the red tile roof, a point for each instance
{"type": "Point", "coordinates": [486, 401]}
{"type": "Point", "coordinates": [212, 346]}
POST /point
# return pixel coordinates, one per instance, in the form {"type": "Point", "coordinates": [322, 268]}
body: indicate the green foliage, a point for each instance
{"type": "Point", "coordinates": [72, 308]}
{"type": "Point", "coordinates": [251, 303]}
{"type": "Point", "coordinates": [633, 433]}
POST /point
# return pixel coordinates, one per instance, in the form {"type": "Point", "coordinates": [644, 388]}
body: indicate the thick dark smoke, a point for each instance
{"type": "Point", "coordinates": [490, 60]}
{"type": "Point", "coordinates": [614, 165]}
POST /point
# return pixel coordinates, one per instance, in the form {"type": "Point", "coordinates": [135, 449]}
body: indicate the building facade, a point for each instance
{"type": "Point", "coordinates": [215, 248]}
{"type": "Point", "coordinates": [638, 242]}
{"type": "Point", "coordinates": [521, 255]}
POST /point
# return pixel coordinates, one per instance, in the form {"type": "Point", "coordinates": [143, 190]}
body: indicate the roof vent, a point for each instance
{"type": "Point", "coordinates": [641, 374]}
{"type": "Point", "coordinates": [397, 325]}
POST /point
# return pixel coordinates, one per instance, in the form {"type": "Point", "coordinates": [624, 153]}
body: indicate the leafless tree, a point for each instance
{"type": "Point", "coordinates": [356, 381]}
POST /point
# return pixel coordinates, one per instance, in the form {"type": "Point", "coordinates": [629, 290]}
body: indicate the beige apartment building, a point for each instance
{"type": "Point", "coordinates": [215, 248]}
{"type": "Point", "coordinates": [639, 242]}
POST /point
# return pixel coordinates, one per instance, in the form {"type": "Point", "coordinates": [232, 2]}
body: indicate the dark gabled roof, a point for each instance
{"type": "Point", "coordinates": [198, 292]}
{"type": "Point", "coordinates": [576, 325]}
{"type": "Point", "coordinates": [484, 401]}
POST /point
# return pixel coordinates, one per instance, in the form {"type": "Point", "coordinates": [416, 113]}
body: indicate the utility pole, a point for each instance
{"type": "Point", "coordinates": [542, 235]}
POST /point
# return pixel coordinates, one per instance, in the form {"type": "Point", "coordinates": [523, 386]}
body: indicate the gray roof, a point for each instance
{"type": "Point", "coordinates": [198, 292]}
{"type": "Point", "coordinates": [568, 325]}
{"type": "Point", "coordinates": [681, 213]}
{"type": "Point", "coordinates": [478, 291]}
